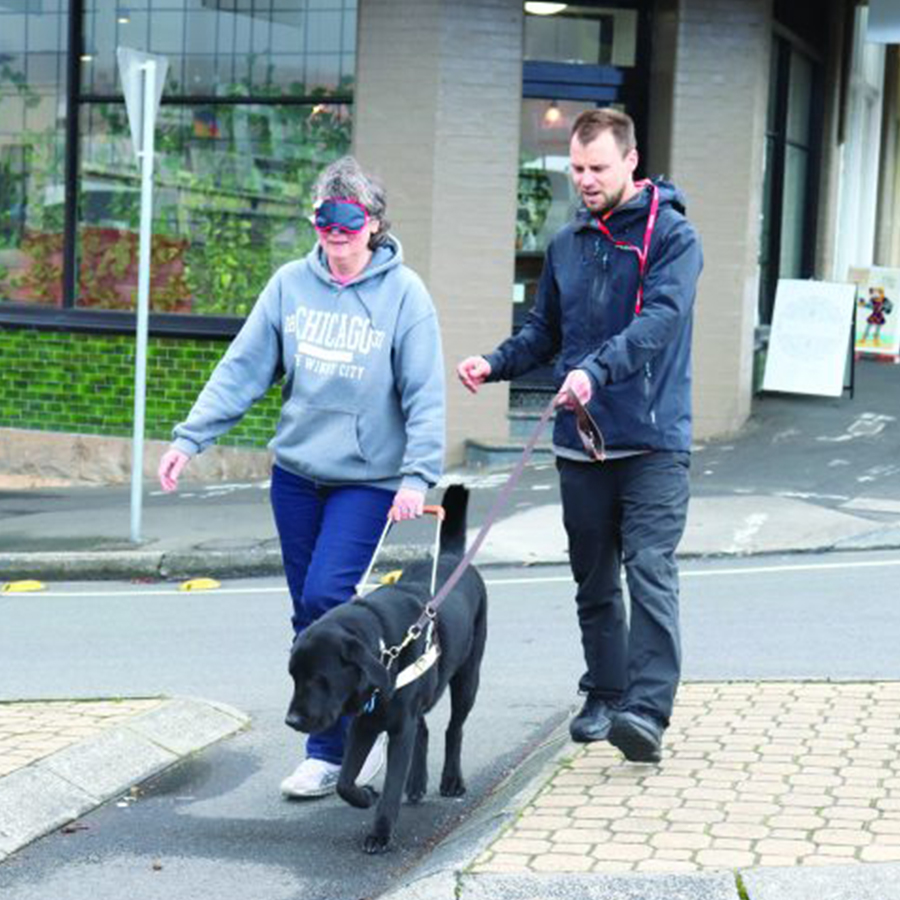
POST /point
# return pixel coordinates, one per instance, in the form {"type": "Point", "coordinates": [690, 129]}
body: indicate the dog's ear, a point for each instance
{"type": "Point", "coordinates": [373, 669]}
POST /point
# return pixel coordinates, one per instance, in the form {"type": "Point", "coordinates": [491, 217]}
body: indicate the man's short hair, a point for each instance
{"type": "Point", "coordinates": [592, 122]}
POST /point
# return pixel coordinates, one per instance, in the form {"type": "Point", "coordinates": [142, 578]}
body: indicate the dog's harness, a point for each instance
{"type": "Point", "coordinates": [591, 438]}
{"type": "Point", "coordinates": [424, 625]}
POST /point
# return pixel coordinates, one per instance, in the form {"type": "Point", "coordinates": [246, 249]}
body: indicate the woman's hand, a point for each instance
{"type": "Point", "coordinates": [408, 504]}
{"type": "Point", "coordinates": [170, 466]}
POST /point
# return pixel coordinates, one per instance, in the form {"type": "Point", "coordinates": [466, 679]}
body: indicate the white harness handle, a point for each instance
{"type": "Point", "coordinates": [439, 515]}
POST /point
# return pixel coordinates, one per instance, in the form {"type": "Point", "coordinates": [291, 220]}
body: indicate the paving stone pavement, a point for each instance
{"type": "Point", "coordinates": [762, 774]}
{"type": "Point", "coordinates": [30, 731]}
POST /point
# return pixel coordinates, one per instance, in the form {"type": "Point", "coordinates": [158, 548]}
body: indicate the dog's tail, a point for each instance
{"type": "Point", "coordinates": [453, 531]}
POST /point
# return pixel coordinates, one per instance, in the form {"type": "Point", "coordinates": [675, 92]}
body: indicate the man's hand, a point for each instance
{"type": "Point", "coordinates": [579, 382]}
{"type": "Point", "coordinates": [408, 504]}
{"type": "Point", "coordinates": [170, 466]}
{"type": "Point", "coordinates": [472, 372]}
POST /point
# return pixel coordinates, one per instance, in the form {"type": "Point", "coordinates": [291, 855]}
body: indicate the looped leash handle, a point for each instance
{"type": "Point", "coordinates": [597, 451]}
{"type": "Point", "coordinates": [588, 430]}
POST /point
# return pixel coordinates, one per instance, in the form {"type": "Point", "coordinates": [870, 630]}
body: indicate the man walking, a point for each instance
{"type": "Point", "coordinates": [615, 307]}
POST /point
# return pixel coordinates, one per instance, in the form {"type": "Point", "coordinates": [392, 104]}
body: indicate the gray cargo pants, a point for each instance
{"type": "Point", "coordinates": [629, 511]}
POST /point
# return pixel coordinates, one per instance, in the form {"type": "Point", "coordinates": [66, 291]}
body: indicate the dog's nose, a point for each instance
{"type": "Point", "coordinates": [292, 720]}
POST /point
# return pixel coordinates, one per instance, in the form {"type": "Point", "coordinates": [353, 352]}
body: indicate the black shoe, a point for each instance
{"type": "Point", "coordinates": [638, 737]}
{"type": "Point", "coordinates": [593, 722]}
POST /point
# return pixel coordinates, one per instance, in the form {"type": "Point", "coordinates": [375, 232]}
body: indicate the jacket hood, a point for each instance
{"type": "Point", "coordinates": [388, 256]}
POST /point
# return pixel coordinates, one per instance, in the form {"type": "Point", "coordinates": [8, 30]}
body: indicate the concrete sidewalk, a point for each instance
{"type": "Point", "coordinates": [60, 759]}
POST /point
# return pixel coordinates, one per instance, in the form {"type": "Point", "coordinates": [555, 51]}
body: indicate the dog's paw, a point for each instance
{"type": "Point", "coordinates": [415, 795]}
{"type": "Point", "coordinates": [376, 844]}
{"type": "Point", "coordinates": [417, 785]}
{"type": "Point", "coordinates": [360, 797]}
{"type": "Point", "coordinates": [453, 786]}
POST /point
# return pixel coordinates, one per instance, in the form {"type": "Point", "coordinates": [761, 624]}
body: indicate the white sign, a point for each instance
{"type": "Point", "coordinates": [131, 70]}
{"type": "Point", "coordinates": [809, 341]}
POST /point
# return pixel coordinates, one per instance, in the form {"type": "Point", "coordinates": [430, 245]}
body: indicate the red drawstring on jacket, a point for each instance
{"type": "Point", "coordinates": [642, 253]}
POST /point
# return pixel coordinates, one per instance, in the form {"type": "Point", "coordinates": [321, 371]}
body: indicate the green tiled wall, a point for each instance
{"type": "Point", "coordinates": [84, 383]}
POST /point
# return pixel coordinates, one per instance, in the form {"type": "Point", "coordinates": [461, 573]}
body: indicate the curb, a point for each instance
{"type": "Point", "coordinates": [57, 789]}
{"type": "Point", "coordinates": [103, 565]}
{"type": "Point", "coordinates": [106, 565]}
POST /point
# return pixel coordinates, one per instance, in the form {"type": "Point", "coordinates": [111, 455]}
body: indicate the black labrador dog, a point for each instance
{"type": "Point", "coordinates": [339, 666]}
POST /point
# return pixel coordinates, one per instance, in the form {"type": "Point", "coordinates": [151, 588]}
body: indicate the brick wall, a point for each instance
{"type": "Point", "coordinates": [84, 383]}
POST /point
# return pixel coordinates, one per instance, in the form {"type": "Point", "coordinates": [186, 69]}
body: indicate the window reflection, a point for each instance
{"type": "Point", "coordinates": [232, 197]}
{"type": "Point", "coordinates": [222, 47]}
{"type": "Point", "coordinates": [233, 176]}
{"type": "Point", "coordinates": [32, 114]}
{"type": "Point", "coordinates": [581, 34]}
{"type": "Point", "coordinates": [547, 198]}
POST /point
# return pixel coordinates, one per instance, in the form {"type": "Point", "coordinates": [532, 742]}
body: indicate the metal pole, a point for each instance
{"type": "Point", "coordinates": [143, 300]}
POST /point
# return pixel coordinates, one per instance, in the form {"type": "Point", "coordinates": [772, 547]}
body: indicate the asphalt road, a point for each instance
{"type": "Point", "coordinates": [216, 826]}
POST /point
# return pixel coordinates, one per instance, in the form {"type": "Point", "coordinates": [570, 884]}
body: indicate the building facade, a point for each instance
{"type": "Point", "coordinates": [778, 120]}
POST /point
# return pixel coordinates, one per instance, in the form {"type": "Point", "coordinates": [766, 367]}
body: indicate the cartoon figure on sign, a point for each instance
{"type": "Point", "coordinates": [881, 308]}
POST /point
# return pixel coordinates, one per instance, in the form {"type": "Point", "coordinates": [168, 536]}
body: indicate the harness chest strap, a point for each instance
{"type": "Point", "coordinates": [418, 667]}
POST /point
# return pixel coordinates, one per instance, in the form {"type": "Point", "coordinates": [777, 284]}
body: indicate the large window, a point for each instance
{"type": "Point", "coordinates": [256, 101]}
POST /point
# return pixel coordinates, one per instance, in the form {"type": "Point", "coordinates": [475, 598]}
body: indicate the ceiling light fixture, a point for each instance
{"type": "Point", "coordinates": [552, 115]}
{"type": "Point", "coordinates": [544, 9]}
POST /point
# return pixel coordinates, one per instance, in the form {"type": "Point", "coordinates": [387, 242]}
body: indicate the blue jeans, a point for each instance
{"type": "Point", "coordinates": [328, 534]}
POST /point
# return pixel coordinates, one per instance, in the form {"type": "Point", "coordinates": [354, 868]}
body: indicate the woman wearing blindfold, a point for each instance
{"type": "Point", "coordinates": [354, 335]}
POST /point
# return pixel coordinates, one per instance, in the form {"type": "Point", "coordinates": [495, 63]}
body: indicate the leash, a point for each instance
{"type": "Point", "coordinates": [591, 438]}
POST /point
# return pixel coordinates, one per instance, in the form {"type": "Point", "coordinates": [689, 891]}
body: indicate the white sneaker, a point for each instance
{"type": "Point", "coordinates": [374, 762]}
{"type": "Point", "coordinates": [318, 778]}
{"type": "Point", "coordinates": [312, 778]}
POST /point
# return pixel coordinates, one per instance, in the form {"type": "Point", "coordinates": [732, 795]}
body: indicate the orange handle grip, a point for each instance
{"type": "Point", "coordinates": [435, 511]}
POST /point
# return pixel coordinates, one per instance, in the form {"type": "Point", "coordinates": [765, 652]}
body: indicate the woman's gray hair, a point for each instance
{"type": "Point", "coordinates": [346, 178]}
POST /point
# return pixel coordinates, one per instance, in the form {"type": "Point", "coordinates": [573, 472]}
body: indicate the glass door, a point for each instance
{"type": "Point", "coordinates": [788, 222]}
{"type": "Point", "coordinates": [583, 56]}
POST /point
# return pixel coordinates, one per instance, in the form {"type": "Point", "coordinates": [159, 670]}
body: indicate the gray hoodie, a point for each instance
{"type": "Point", "coordinates": [363, 392]}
